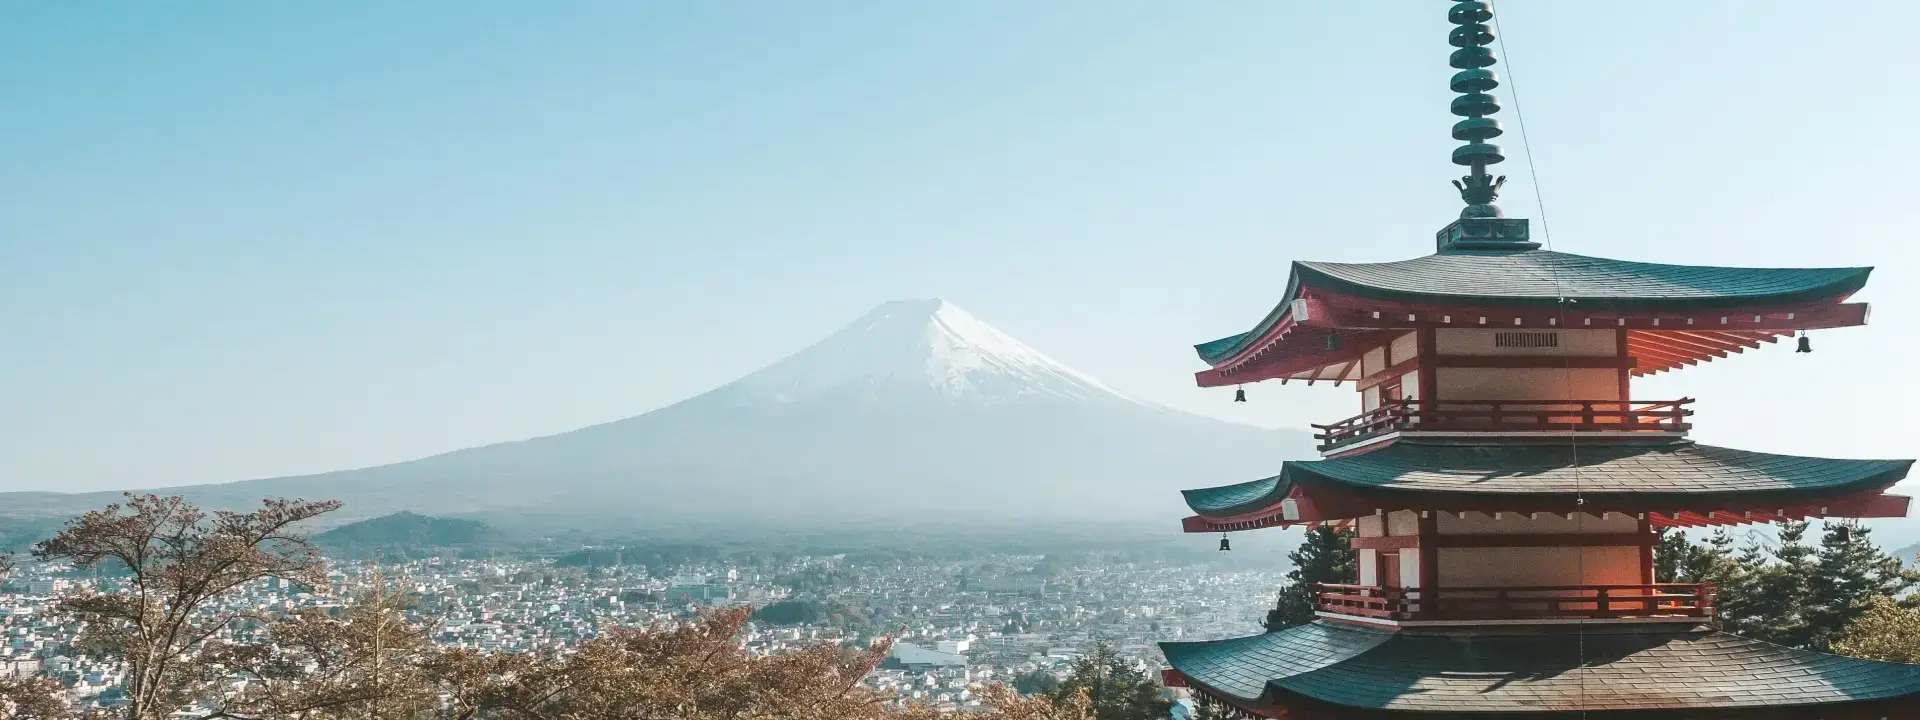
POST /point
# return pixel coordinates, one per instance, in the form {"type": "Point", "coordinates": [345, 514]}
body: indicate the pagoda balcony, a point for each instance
{"type": "Point", "coordinates": [1660, 602]}
{"type": "Point", "coordinates": [1530, 417]}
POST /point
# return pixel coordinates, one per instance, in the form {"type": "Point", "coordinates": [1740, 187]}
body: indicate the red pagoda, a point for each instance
{"type": "Point", "coordinates": [1505, 484]}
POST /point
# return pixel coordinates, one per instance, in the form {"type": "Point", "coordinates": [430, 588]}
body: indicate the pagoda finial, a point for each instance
{"type": "Point", "coordinates": [1473, 81]}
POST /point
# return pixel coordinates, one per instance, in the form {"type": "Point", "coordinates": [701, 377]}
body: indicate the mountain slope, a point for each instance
{"type": "Point", "coordinates": [916, 412]}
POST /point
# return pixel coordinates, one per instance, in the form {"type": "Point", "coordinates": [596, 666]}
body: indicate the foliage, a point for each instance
{"type": "Point", "coordinates": [1885, 631]}
{"type": "Point", "coordinates": [32, 699]}
{"type": "Point", "coordinates": [1326, 557]}
{"type": "Point", "coordinates": [1036, 682]}
{"type": "Point", "coordinates": [694, 670]}
{"type": "Point", "coordinates": [366, 661]}
{"type": "Point", "coordinates": [1114, 689]}
{"type": "Point", "coordinates": [312, 665]}
{"type": "Point", "coordinates": [1209, 709]}
{"type": "Point", "coordinates": [1850, 574]}
{"type": "Point", "coordinates": [181, 560]}
{"type": "Point", "coordinates": [809, 611]}
{"type": "Point", "coordinates": [1005, 704]}
{"type": "Point", "coordinates": [1790, 593]}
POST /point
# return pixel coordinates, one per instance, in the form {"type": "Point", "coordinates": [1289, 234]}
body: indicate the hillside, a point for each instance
{"type": "Point", "coordinates": [406, 532]}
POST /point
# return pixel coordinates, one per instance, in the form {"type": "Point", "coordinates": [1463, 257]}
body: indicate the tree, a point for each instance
{"type": "Point", "coordinates": [1850, 573]}
{"type": "Point", "coordinates": [694, 670]}
{"type": "Point", "coordinates": [1036, 682]}
{"type": "Point", "coordinates": [1326, 557]}
{"type": "Point", "coordinates": [1885, 631]}
{"type": "Point", "coordinates": [313, 665]}
{"type": "Point", "coordinates": [1770, 603]}
{"type": "Point", "coordinates": [1205, 708]}
{"type": "Point", "coordinates": [34, 698]}
{"type": "Point", "coordinates": [1005, 704]}
{"type": "Point", "coordinates": [180, 561]}
{"type": "Point", "coordinates": [1114, 689]}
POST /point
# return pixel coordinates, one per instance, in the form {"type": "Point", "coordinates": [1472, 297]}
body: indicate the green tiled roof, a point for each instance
{"type": "Point", "coordinates": [1684, 472]}
{"type": "Point", "coordinates": [1539, 278]}
{"type": "Point", "coordinates": [1235, 499]}
{"type": "Point", "coordinates": [1242, 667]}
{"type": "Point", "coordinates": [1648, 471]}
{"type": "Point", "coordinates": [1644, 667]}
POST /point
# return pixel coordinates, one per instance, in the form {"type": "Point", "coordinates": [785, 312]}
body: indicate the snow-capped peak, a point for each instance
{"type": "Point", "coordinates": [912, 345]}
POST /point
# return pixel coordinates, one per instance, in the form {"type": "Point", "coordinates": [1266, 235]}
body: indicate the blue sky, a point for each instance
{"type": "Point", "coordinates": [253, 239]}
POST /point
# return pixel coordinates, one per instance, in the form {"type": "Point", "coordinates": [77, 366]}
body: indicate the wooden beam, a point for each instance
{"type": "Point", "coordinates": [1736, 340]}
{"type": "Point", "coordinates": [1640, 348]}
{"type": "Point", "coordinates": [1680, 341]}
{"type": "Point", "coordinates": [1394, 542]}
{"type": "Point", "coordinates": [1517, 540]}
{"type": "Point", "coordinates": [1391, 373]}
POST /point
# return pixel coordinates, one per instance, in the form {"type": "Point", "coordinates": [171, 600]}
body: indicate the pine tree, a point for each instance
{"type": "Point", "coordinates": [1850, 572]}
{"type": "Point", "coordinates": [1208, 709]}
{"type": "Point", "coordinates": [1326, 557]}
{"type": "Point", "coordinates": [1772, 604]}
{"type": "Point", "coordinates": [1114, 687]}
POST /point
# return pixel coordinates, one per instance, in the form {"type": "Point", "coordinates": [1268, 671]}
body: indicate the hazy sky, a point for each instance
{"type": "Point", "coordinates": [252, 239]}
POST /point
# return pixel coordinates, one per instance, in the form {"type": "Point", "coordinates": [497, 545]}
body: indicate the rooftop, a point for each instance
{"type": "Point", "coordinates": [1530, 670]}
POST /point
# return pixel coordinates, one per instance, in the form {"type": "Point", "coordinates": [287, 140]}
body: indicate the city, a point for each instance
{"type": "Point", "coordinates": [956, 625]}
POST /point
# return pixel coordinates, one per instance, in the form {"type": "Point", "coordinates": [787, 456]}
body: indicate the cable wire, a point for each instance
{"type": "Point", "coordinates": [1559, 291]}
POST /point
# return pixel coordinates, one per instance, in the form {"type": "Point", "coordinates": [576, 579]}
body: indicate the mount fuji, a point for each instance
{"type": "Point", "coordinates": [915, 410]}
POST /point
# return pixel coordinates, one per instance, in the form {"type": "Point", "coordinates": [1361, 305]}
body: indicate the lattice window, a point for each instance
{"type": "Point", "coordinates": [1526, 340]}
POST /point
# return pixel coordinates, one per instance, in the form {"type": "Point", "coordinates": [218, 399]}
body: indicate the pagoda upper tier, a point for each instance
{"type": "Point", "coordinates": [1669, 316]}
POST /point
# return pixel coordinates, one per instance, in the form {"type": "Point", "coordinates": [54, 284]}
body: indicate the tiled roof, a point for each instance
{"type": "Point", "coordinates": [1544, 276]}
{"type": "Point", "coordinates": [1606, 668]}
{"type": "Point", "coordinates": [1680, 469]}
{"type": "Point", "coordinates": [1241, 667]}
{"type": "Point", "coordinates": [1235, 499]}
{"type": "Point", "coordinates": [1539, 278]}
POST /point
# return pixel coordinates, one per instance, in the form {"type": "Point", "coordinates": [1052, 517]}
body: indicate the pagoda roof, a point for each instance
{"type": "Point", "coordinates": [1649, 470]}
{"type": "Point", "coordinates": [1537, 669]}
{"type": "Point", "coordinates": [1519, 474]}
{"type": "Point", "coordinates": [1541, 278]}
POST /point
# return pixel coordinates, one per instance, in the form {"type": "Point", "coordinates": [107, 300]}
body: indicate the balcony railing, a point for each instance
{"type": "Point", "coordinates": [1509, 416]}
{"type": "Point", "coordinates": [1565, 602]}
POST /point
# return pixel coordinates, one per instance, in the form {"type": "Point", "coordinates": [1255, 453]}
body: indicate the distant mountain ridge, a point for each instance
{"type": "Point", "coordinates": [917, 412]}
{"type": "Point", "coordinates": [407, 532]}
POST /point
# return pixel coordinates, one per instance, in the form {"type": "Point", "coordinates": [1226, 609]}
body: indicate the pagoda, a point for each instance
{"type": "Point", "coordinates": [1505, 485]}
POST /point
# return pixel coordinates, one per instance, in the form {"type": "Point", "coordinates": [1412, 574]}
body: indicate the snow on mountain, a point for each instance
{"type": "Point", "coordinates": [912, 345]}
{"type": "Point", "coordinates": [917, 409]}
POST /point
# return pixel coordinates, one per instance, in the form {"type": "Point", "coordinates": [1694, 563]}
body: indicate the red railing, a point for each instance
{"type": "Point", "coordinates": [1561, 602]}
{"type": "Point", "coordinates": [1509, 416]}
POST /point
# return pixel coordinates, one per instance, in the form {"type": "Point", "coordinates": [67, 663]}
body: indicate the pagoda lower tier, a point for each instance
{"type": "Point", "coordinates": [1333, 670]}
{"type": "Point", "coordinates": [1514, 577]}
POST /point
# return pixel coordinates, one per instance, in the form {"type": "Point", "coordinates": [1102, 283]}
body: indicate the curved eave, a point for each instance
{"type": "Point", "coordinates": [1679, 485]}
{"type": "Point", "coordinates": [1539, 281]}
{"type": "Point", "coordinates": [1770, 286]}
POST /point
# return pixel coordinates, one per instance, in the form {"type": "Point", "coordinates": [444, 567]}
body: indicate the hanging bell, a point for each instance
{"type": "Point", "coordinates": [1333, 341]}
{"type": "Point", "coordinates": [1806, 344]}
{"type": "Point", "coordinates": [1239, 394]}
{"type": "Point", "coordinates": [1225, 545]}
